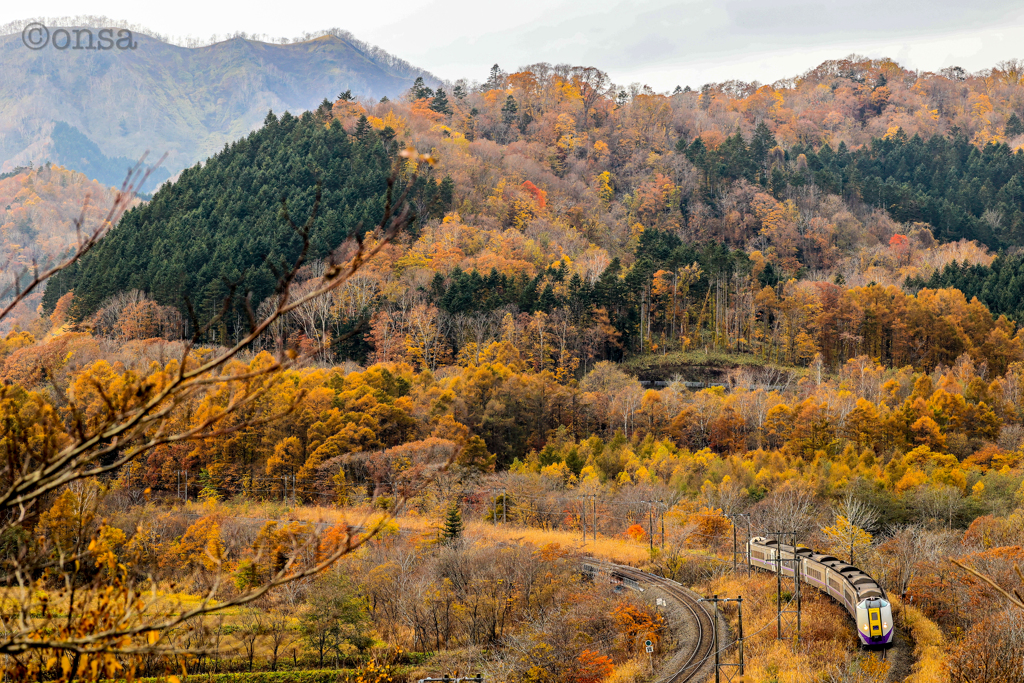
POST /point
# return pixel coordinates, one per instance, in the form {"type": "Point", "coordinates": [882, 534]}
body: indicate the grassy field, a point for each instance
{"type": "Point", "coordinates": [696, 358]}
{"type": "Point", "coordinates": [827, 644]}
{"type": "Point", "coordinates": [621, 550]}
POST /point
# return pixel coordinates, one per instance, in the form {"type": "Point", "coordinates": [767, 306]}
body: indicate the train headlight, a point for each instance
{"type": "Point", "coordinates": [865, 627]}
{"type": "Point", "coordinates": [885, 624]}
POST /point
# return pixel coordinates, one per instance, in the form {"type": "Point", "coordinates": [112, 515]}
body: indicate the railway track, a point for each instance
{"type": "Point", "coordinates": [695, 662]}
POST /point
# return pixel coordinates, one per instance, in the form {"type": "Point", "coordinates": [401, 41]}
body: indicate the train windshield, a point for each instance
{"type": "Point", "coordinates": [873, 602]}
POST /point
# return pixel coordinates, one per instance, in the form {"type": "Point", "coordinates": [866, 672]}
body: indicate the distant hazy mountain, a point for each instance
{"type": "Point", "coordinates": [97, 111]}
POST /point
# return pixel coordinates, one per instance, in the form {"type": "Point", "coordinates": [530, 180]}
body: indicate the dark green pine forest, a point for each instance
{"type": "Point", "coordinates": [999, 286]}
{"type": "Point", "coordinates": [221, 224]}
{"type": "Point", "coordinates": [964, 192]}
{"type": "Point", "coordinates": [620, 290]}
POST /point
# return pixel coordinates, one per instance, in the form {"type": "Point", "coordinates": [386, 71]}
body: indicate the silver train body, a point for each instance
{"type": "Point", "coordinates": [860, 594]}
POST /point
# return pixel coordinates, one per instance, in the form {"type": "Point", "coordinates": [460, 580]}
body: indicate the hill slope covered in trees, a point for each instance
{"type": "Point", "coordinates": [573, 202]}
{"type": "Point", "coordinates": [39, 208]}
{"type": "Point", "coordinates": [221, 222]}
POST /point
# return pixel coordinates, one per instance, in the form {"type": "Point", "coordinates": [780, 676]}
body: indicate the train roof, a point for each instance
{"type": "Point", "coordinates": [863, 584]}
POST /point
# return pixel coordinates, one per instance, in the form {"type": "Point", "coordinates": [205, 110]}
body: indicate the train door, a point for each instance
{"type": "Point", "coordinates": [875, 621]}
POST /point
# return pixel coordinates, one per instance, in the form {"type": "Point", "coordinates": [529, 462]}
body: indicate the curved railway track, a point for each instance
{"type": "Point", "coordinates": [696, 661]}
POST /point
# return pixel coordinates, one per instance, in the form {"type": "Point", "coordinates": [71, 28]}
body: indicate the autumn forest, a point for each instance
{"type": "Point", "coordinates": [355, 398]}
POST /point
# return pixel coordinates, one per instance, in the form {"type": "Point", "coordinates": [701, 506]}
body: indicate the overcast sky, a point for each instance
{"type": "Point", "coordinates": [662, 43]}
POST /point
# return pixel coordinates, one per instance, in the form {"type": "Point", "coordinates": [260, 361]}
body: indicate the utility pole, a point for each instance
{"type": "Point", "coordinates": [794, 562]}
{"type": "Point", "coordinates": [739, 601]}
{"type": "Point", "coordinates": [796, 580]}
{"type": "Point", "coordinates": [746, 546]}
{"type": "Point", "coordinates": [584, 519]}
{"type": "Point", "coordinates": [714, 628]}
{"type": "Point", "coordinates": [739, 642]}
{"type": "Point", "coordinates": [749, 536]}
{"type": "Point", "coordinates": [663, 512]}
{"type": "Point", "coordinates": [778, 592]}
{"type": "Point", "coordinates": [734, 547]}
{"type": "Point", "coordinates": [650, 522]}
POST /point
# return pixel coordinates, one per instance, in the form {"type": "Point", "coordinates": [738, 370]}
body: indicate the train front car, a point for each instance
{"type": "Point", "coordinates": [874, 621]}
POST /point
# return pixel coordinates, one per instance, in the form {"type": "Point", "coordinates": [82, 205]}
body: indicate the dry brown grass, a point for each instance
{"type": "Point", "coordinates": [929, 646]}
{"type": "Point", "coordinates": [629, 671]}
{"type": "Point", "coordinates": [826, 642]}
{"type": "Point", "coordinates": [621, 550]}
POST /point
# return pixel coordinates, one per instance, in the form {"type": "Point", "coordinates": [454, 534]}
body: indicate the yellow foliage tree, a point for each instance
{"type": "Point", "coordinates": [105, 546]}
{"type": "Point", "coordinates": [845, 536]}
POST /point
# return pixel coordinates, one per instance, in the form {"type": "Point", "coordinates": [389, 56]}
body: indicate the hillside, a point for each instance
{"type": "Point", "coordinates": [165, 98]}
{"type": "Point", "coordinates": [622, 233]}
{"type": "Point", "coordinates": [38, 210]}
{"type": "Point", "coordinates": [220, 222]}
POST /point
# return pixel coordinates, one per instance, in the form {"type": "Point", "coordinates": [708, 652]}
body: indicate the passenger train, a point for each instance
{"type": "Point", "coordinates": [861, 595]}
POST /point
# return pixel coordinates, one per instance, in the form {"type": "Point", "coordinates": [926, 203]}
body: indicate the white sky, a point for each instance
{"type": "Point", "coordinates": [662, 43]}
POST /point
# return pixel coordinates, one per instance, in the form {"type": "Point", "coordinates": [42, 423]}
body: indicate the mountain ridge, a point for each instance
{"type": "Point", "coordinates": [186, 102]}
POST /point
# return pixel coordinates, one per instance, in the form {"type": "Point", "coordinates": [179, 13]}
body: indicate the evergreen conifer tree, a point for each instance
{"type": "Point", "coordinates": [452, 524]}
{"type": "Point", "coordinates": [446, 194]}
{"type": "Point", "coordinates": [1014, 127]}
{"type": "Point", "coordinates": [762, 143]}
{"type": "Point", "coordinates": [362, 127]}
{"type": "Point", "coordinates": [548, 302]}
{"type": "Point", "coordinates": [420, 90]}
{"type": "Point", "coordinates": [496, 79]}
{"type": "Point", "coordinates": [440, 103]}
{"type": "Point", "coordinates": [509, 110]}
{"type": "Point", "coordinates": [244, 240]}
